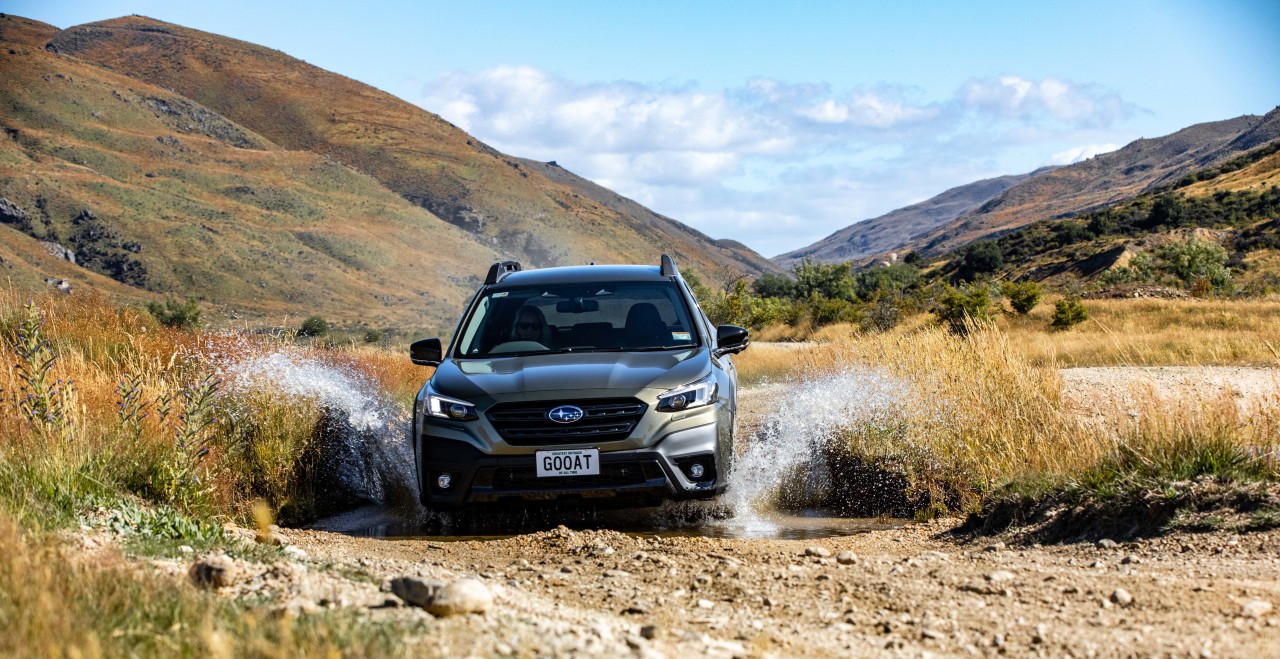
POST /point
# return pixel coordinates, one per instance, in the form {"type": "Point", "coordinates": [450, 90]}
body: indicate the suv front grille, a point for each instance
{"type": "Point", "coordinates": [603, 420]}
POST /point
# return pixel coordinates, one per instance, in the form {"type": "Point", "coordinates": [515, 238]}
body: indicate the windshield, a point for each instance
{"type": "Point", "coordinates": [577, 317]}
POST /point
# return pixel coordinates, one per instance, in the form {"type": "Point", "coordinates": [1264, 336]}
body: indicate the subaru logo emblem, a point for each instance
{"type": "Point", "coordinates": [565, 414]}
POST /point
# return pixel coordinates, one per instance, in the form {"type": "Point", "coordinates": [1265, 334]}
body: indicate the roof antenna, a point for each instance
{"type": "Point", "coordinates": [669, 267]}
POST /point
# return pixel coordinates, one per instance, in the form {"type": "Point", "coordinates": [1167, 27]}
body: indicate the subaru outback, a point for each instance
{"type": "Point", "coordinates": [599, 384]}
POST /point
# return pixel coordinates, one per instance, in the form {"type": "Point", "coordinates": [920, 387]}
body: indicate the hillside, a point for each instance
{"type": "Point", "coordinates": [888, 232]}
{"type": "Point", "coordinates": [658, 228]}
{"type": "Point", "coordinates": [155, 195]}
{"type": "Point", "coordinates": [1216, 230]}
{"type": "Point", "coordinates": [1104, 179]}
{"type": "Point", "coordinates": [503, 203]}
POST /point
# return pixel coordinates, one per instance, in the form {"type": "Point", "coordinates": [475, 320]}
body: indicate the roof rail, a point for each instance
{"type": "Point", "coordinates": [669, 267]}
{"type": "Point", "coordinates": [499, 270]}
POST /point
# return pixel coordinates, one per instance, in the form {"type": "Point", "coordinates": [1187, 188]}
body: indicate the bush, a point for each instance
{"type": "Point", "coordinates": [1069, 312]}
{"type": "Point", "coordinates": [1023, 296]}
{"type": "Point", "coordinates": [980, 258]}
{"type": "Point", "coordinates": [959, 307]}
{"type": "Point", "coordinates": [373, 336]}
{"type": "Point", "coordinates": [314, 326]}
{"type": "Point", "coordinates": [172, 313]}
{"type": "Point", "coordinates": [774, 285]}
{"type": "Point", "coordinates": [1195, 260]}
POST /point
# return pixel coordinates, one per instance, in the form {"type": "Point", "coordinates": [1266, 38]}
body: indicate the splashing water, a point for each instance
{"type": "Point", "coordinates": [808, 417]}
{"type": "Point", "coordinates": [371, 458]}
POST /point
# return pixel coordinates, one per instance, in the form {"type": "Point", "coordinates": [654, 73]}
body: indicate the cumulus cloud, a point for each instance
{"type": "Point", "coordinates": [774, 163]}
{"type": "Point", "coordinates": [1016, 97]}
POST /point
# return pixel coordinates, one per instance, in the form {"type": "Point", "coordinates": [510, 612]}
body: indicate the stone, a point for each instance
{"type": "Point", "coordinates": [616, 574]}
{"type": "Point", "coordinates": [441, 599]}
{"type": "Point", "coordinates": [272, 538]}
{"type": "Point", "coordinates": [1122, 597]}
{"type": "Point", "coordinates": [1106, 543]}
{"type": "Point", "coordinates": [995, 546]}
{"type": "Point", "coordinates": [296, 553]}
{"type": "Point", "coordinates": [186, 549]}
{"type": "Point", "coordinates": [1001, 576]}
{"type": "Point", "coordinates": [820, 552]}
{"type": "Point", "coordinates": [1131, 559]}
{"type": "Point", "coordinates": [214, 571]}
{"type": "Point", "coordinates": [705, 604]}
{"type": "Point", "coordinates": [846, 558]}
{"type": "Point", "coordinates": [1255, 608]}
{"type": "Point", "coordinates": [649, 632]}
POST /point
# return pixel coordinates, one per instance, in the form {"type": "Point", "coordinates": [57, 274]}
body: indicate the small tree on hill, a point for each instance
{"type": "Point", "coordinates": [1069, 312]}
{"type": "Point", "coordinates": [1023, 296]}
{"type": "Point", "coordinates": [314, 326]}
{"type": "Point", "coordinates": [980, 258]}
{"type": "Point", "coordinates": [172, 313]}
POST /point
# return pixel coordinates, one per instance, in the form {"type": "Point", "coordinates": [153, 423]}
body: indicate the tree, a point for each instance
{"type": "Point", "coordinates": [980, 258]}
{"type": "Point", "coordinates": [775, 285]}
{"type": "Point", "coordinates": [959, 307]}
{"type": "Point", "coordinates": [314, 326]}
{"type": "Point", "coordinates": [1023, 296]}
{"type": "Point", "coordinates": [1068, 312]}
{"type": "Point", "coordinates": [172, 313]}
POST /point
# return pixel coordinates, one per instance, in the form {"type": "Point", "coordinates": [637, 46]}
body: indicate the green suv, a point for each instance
{"type": "Point", "coordinates": [600, 384]}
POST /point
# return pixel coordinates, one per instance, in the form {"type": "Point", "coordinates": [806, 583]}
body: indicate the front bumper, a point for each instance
{"type": "Point", "coordinates": [635, 477]}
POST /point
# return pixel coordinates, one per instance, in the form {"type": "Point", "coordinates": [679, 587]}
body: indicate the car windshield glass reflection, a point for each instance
{"type": "Point", "coordinates": [574, 318]}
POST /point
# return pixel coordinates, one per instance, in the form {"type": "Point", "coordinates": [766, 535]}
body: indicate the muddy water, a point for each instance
{"type": "Point", "coordinates": [384, 522]}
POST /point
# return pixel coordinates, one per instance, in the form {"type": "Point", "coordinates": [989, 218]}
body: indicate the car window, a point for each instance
{"type": "Point", "coordinates": [578, 317]}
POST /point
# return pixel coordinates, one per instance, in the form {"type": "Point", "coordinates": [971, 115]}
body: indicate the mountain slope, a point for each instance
{"type": "Point", "coordinates": [1101, 180]}
{"type": "Point", "coordinates": [506, 204]}
{"type": "Point", "coordinates": [889, 231]}
{"type": "Point", "coordinates": [156, 195]}
{"type": "Point", "coordinates": [659, 228]}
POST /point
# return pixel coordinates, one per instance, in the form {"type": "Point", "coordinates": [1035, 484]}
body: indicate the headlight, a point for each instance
{"type": "Point", "coordinates": [694, 394]}
{"type": "Point", "coordinates": [449, 408]}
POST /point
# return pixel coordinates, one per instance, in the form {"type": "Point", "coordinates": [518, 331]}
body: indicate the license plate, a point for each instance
{"type": "Point", "coordinates": [575, 462]}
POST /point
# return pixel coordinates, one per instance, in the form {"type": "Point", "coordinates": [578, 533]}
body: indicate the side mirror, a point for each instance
{"type": "Point", "coordinates": [427, 352]}
{"type": "Point", "coordinates": [731, 339]}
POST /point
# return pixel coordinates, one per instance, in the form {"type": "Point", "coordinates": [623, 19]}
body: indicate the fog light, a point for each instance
{"type": "Point", "coordinates": [696, 470]}
{"type": "Point", "coordinates": [678, 402]}
{"type": "Point", "coordinates": [443, 481]}
{"type": "Point", "coordinates": [458, 411]}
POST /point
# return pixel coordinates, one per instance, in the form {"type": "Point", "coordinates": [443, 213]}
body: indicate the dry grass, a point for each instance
{"type": "Point", "coordinates": [54, 603]}
{"type": "Point", "coordinates": [985, 410]}
{"type": "Point", "coordinates": [256, 442]}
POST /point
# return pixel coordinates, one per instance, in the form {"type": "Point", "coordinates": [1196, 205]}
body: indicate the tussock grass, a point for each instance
{"type": "Point", "coordinates": [982, 416]}
{"type": "Point", "coordinates": [147, 415]}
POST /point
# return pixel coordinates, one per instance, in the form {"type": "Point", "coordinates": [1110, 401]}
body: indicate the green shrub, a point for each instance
{"type": "Point", "coordinates": [172, 313]}
{"type": "Point", "coordinates": [1023, 296]}
{"type": "Point", "coordinates": [1069, 312]}
{"type": "Point", "coordinates": [314, 326]}
{"type": "Point", "coordinates": [959, 307]}
{"type": "Point", "coordinates": [1195, 260]}
{"type": "Point", "coordinates": [980, 258]}
{"type": "Point", "coordinates": [373, 336]}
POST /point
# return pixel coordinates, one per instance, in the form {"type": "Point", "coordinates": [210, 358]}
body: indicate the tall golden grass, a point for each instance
{"type": "Point", "coordinates": [984, 410]}
{"type": "Point", "coordinates": [256, 442]}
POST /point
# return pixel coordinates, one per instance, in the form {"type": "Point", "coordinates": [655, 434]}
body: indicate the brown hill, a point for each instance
{"type": "Point", "coordinates": [658, 228]}
{"type": "Point", "coordinates": [154, 194]}
{"type": "Point", "coordinates": [890, 231]}
{"type": "Point", "coordinates": [504, 203]}
{"type": "Point", "coordinates": [1101, 180]}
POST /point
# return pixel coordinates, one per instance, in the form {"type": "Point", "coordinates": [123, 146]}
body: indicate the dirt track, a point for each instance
{"type": "Point", "coordinates": [913, 591]}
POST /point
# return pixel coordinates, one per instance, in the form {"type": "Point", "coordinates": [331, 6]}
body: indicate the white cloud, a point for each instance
{"type": "Point", "coordinates": [1076, 154]}
{"type": "Point", "coordinates": [772, 163]}
{"type": "Point", "coordinates": [1060, 100]}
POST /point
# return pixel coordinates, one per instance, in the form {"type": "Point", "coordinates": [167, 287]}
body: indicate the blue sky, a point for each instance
{"type": "Point", "coordinates": [777, 123]}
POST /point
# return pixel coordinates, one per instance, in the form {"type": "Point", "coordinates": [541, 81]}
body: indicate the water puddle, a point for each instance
{"type": "Point", "coordinates": [383, 522]}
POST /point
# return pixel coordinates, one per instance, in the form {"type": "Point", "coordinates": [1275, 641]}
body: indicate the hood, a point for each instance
{"type": "Point", "coordinates": [624, 372]}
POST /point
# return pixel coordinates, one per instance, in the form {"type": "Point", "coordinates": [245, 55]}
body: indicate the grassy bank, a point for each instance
{"type": "Point", "coordinates": [981, 426]}
{"type": "Point", "coordinates": [112, 422]}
